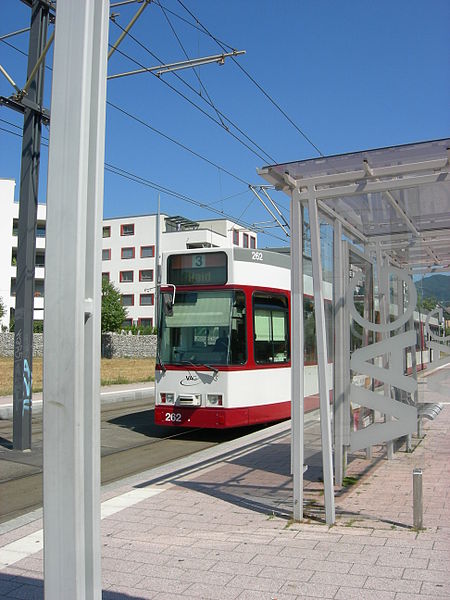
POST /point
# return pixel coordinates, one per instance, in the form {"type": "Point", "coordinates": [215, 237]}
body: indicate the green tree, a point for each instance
{"type": "Point", "coordinates": [426, 304]}
{"type": "Point", "coordinates": [113, 313]}
{"type": "Point", "coordinates": [2, 308]}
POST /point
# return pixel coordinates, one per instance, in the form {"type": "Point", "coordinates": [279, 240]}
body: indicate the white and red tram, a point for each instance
{"type": "Point", "coordinates": [223, 339]}
{"type": "Point", "coordinates": [223, 342]}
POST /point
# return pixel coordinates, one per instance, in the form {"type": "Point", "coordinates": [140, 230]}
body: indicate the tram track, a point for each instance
{"type": "Point", "coordinates": [130, 444]}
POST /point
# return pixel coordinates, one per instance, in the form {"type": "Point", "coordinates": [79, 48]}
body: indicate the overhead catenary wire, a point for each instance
{"type": "Point", "coordinates": [179, 93]}
{"type": "Point", "coordinates": [147, 182]}
{"type": "Point", "coordinates": [114, 169]}
{"type": "Point", "coordinates": [253, 80]}
{"type": "Point", "coordinates": [173, 88]}
{"type": "Point", "coordinates": [188, 58]}
{"type": "Point", "coordinates": [174, 141]}
{"type": "Point", "coordinates": [193, 25]}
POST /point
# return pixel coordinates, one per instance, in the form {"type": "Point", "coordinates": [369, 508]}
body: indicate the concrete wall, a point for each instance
{"type": "Point", "coordinates": [114, 345]}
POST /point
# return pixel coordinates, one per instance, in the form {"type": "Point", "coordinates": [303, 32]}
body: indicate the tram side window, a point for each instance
{"type": "Point", "coordinates": [271, 328]}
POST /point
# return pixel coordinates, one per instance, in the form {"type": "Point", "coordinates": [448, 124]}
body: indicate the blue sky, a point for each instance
{"type": "Point", "coordinates": [351, 75]}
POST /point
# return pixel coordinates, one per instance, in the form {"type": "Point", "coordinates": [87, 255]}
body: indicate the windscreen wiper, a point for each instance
{"type": "Point", "coordinates": [188, 362]}
{"type": "Point", "coordinates": [158, 357]}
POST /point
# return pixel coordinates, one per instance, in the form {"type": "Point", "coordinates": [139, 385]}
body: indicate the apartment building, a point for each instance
{"type": "Point", "coordinates": [128, 253]}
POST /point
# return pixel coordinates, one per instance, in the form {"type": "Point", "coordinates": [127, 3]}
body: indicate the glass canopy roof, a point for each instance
{"type": "Point", "coordinates": [397, 198]}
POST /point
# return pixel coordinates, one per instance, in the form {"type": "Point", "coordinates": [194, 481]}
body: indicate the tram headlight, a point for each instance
{"type": "Point", "coordinates": [167, 398]}
{"type": "Point", "coordinates": [215, 399]}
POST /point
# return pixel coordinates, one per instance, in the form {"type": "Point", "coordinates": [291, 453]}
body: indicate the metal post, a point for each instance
{"type": "Point", "coordinates": [322, 360]}
{"type": "Point", "coordinates": [417, 499]}
{"type": "Point", "coordinates": [73, 304]}
{"type": "Point", "coordinates": [383, 299]}
{"type": "Point", "coordinates": [339, 362]}
{"type": "Point", "coordinates": [157, 271]}
{"type": "Point", "coordinates": [26, 236]}
{"type": "Point", "coordinates": [401, 309]}
{"type": "Point", "coordinates": [297, 349]}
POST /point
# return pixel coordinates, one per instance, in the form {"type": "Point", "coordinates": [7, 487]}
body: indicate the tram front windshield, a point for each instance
{"type": "Point", "coordinates": [203, 328]}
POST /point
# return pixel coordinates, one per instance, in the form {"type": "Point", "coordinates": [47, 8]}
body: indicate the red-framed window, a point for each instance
{"type": "Point", "coordinates": [127, 229]}
{"type": "Point", "coordinates": [106, 254]}
{"type": "Point", "coordinates": [105, 276]}
{"type": "Point", "coordinates": [146, 299]}
{"type": "Point", "coordinates": [127, 299]}
{"type": "Point", "coordinates": [127, 252]}
{"type": "Point", "coordinates": [245, 244]}
{"type": "Point", "coordinates": [126, 276]}
{"type": "Point", "coordinates": [147, 251]}
{"type": "Point", "coordinates": [146, 275]}
{"type": "Point", "coordinates": [127, 323]}
{"type": "Point", "coordinates": [145, 322]}
{"type": "Point", "coordinates": [235, 237]}
{"type": "Point", "coordinates": [107, 231]}
{"type": "Point", "coordinates": [252, 242]}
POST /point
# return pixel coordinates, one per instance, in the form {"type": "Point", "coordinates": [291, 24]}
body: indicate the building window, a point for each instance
{"type": "Point", "coordinates": [127, 229]}
{"type": "Point", "coordinates": [145, 322]}
{"type": "Point", "coordinates": [252, 242]}
{"type": "Point", "coordinates": [127, 253]}
{"type": "Point", "coordinates": [105, 276]}
{"type": "Point", "coordinates": [107, 231]}
{"type": "Point", "coordinates": [126, 276]}
{"type": "Point", "coordinates": [147, 251]}
{"type": "Point", "coordinates": [146, 275]}
{"type": "Point", "coordinates": [235, 237]}
{"type": "Point", "coordinates": [127, 299]}
{"type": "Point", "coordinates": [146, 299]}
{"type": "Point", "coordinates": [127, 323]}
{"type": "Point", "coordinates": [40, 259]}
{"type": "Point", "coordinates": [106, 254]}
{"type": "Point", "coordinates": [245, 244]}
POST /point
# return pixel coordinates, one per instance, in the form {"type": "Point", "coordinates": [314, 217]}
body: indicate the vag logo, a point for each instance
{"type": "Point", "coordinates": [190, 380]}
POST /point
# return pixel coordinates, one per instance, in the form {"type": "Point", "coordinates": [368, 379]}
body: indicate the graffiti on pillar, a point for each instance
{"type": "Point", "coordinates": [26, 387]}
{"type": "Point", "coordinates": [383, 362]}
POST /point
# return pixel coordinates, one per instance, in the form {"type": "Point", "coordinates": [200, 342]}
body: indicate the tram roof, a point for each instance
{"type": "Point", "coordinates": [395, 198]}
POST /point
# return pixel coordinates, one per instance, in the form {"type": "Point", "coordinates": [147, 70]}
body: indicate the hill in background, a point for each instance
{"type": "Point", "coordinates": [436, 286]}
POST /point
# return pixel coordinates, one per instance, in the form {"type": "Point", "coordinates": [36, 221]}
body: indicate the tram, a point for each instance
{"type": "Point", "coordinates": [223, 355]}
{"type": "Point", "coordinates": [223, 338]}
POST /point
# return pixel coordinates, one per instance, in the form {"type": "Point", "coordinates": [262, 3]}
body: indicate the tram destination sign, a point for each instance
{"type": "Point", "coordinates": [203, 268]}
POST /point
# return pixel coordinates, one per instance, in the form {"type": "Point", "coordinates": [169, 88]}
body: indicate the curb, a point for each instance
{"type": "Point", "coordinates": [6, 410]}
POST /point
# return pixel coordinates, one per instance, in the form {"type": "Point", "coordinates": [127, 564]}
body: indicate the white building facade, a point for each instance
{"type": "Point", "coordinates": [128, 253]}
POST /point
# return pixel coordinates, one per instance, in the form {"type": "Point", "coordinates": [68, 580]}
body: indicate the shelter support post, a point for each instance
{"type": "Point", "coordinates": [339, 353]}
{"type": "Point", "coordinates": [400, 296]}
{"type": "Point", "coordinates": [297, 359]}
{"type": "Point", "coordinates": [322, 358]}
{"type": "Point", "coordinates": [73, 303]}
{"type": "Point", "coordinates": [383, 299]}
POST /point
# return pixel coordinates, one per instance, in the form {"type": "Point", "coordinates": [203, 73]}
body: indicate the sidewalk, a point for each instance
{"type": "Point", "coordinates": [217, 526]}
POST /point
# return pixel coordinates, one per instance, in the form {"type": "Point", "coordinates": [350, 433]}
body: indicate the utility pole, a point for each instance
{"type": "Point", "coordinates": [29, 184]}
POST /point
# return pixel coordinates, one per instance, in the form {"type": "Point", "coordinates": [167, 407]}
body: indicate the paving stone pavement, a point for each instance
{"type": "Point", "coordinates": [222, 530]}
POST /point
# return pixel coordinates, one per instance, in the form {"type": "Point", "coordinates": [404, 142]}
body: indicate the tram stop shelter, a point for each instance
{"type": "Point", "coordinates": [387, 213]}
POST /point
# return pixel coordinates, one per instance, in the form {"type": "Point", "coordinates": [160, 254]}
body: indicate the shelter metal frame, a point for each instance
{"type": "Point", "coordinates": [395, 202]}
